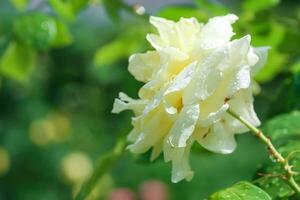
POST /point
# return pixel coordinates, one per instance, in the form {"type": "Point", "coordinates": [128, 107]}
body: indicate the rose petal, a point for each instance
{"type": "Point", "coordinates": [142, 66]}
{"type": "Point", "coordinates": [242, 103]}
{"type": "Point", "coordinates": [216, 32]}
{"type": "Point", "coordinates": [262, 53]}
{"type": "Point", "coordinates": [213, 117]}
{"type": "Point", "coordinates": [126, 103]}
{"type": "Point", "coordinates": [219, 138]}
{"type": "Point", "coordinates": [205, 79]}
{"type": "Point", "coordinates": [173, 95]}
{"type": "Point", "coordinates": [180, 164]}
{"type": "Point", "coordinates": [150, 134]}
{"type": "Point", "coordinates": [179, 36]}
{"type": "Point", "coordinates": [184, 126]}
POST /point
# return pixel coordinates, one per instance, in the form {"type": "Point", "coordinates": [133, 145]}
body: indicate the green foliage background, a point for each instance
{"type": "Point", "coordinates": [62, 63]}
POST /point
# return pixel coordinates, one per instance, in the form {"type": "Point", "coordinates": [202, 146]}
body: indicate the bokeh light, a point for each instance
{"type": "Point", "coordinates": [54, 128]}
{"type": "Point", "coordinates": [77, 167]}
{"type": "Point", "coordinates": [5, 161]}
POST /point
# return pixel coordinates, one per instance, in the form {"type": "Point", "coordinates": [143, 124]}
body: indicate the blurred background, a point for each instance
{"type": "Point", "coordinates": [62, 63]}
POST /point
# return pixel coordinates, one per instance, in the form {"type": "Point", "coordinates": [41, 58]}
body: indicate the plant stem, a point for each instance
{"type": "Point", "coordinates": [105, 162]}
{"type": "Point", "coordinates": [289, 173]}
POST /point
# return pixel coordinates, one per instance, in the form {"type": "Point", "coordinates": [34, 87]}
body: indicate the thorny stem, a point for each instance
{"type": "Point", "coordinates": [289, 173]}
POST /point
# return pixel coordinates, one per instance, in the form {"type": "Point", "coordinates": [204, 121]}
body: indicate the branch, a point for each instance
{"type": "Point", "coordinates": [289, 173]}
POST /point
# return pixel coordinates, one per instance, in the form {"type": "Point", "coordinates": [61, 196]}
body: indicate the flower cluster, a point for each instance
{"type": "Point", "coordinates": [193, 75]}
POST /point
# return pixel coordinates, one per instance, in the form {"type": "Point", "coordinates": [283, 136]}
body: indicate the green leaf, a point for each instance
{"type": "Point", "coordinates": [284, 126]}
{"type": "Point", "coordinates": [19, 4]}
{"type": "Point", "coordinates": [175, 12]}
{"type": "Point", "coordinates": [241, 191]}
{"type": "Point", "coordinates": [276, 187]}
{"type": "Point", "coordinates": [4, 42]}
{"type": "Point", "coordinates": [122, 47]}
{"type": "Point", "coordinates": [211, 7]}
{"type": "Point", "coordinates": [295, 68]}
{"type": "Point", "coordinates": [272, 35]}
{"type": "Point", "coordinates": [35, 30]}
{"type": "Point", "coordinates": [113, 8]}
{"type": "Point", "coordinates": [255, 6]}
{"type": "Point", "coordinates": [68, 9]}
{"type": "Point", "coordinates": [77, 5]}
{"type": "Point", "coordinates": [63, 9]}
{"type": "Point", "coordinates": [63, 36]}
{"type": "Point", "coordinates": [287, 86]}
{"type": "Point", "coordinates": [284, 130]}
{"type": "Point", "coordinates": [18, 62]}
{"type": "Point", "coordinates": [114, 51]}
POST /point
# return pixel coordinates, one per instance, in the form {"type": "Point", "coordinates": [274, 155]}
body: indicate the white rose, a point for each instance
{"type": "Point", "coordinates": [191, 78]}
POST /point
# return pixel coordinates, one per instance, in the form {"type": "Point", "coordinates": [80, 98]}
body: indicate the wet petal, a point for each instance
{"type": "Point", "coordinates": [262, 53]}
{"type": "Point", "coordinates": [182, 79]}
{"type": "Point", "coordinates": [237, 75]}
{"type": "Point", "coordinates": [187, 30]}
{"type": "Point", "coordinates": [213, 117]}
{"type": "Point", "coordinates": [137, 125]}
{"type": "Point", "coordinates": [228, 61]}
{"type": "Point", "coordinates": [173, 94]}
{"type": "Point", "coordinates": [184, 125]}
{"type": "Point", "coordinates": [175, 53]}
{"type": "Point", "coordinates": [126, 103]}
{"type": "Point", "coordinates": [156, 150]}
{"type": "Point", "coordinates": [205, 79]}
{"type": "Point", "coordinates": [178, 35]}
{"type": "Point", "coordinates": [242, 103]}
{"type": "Point", "coordinates": [234, 75]}
{"type": "Point", "coordinates": [142, 66]}
{"type": "Point", "coordinates": [154, 126]}
{"type": "Point", "coordinates": [155, 41]}
{"type": "Point", "coordinates": [180, 164]}
{"type": "Point", "coordinates": [219, 138]}
{"type": "Point", "coordinates": [165, 28]}
{"type": "Point", "coordinates": [216, 32]}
